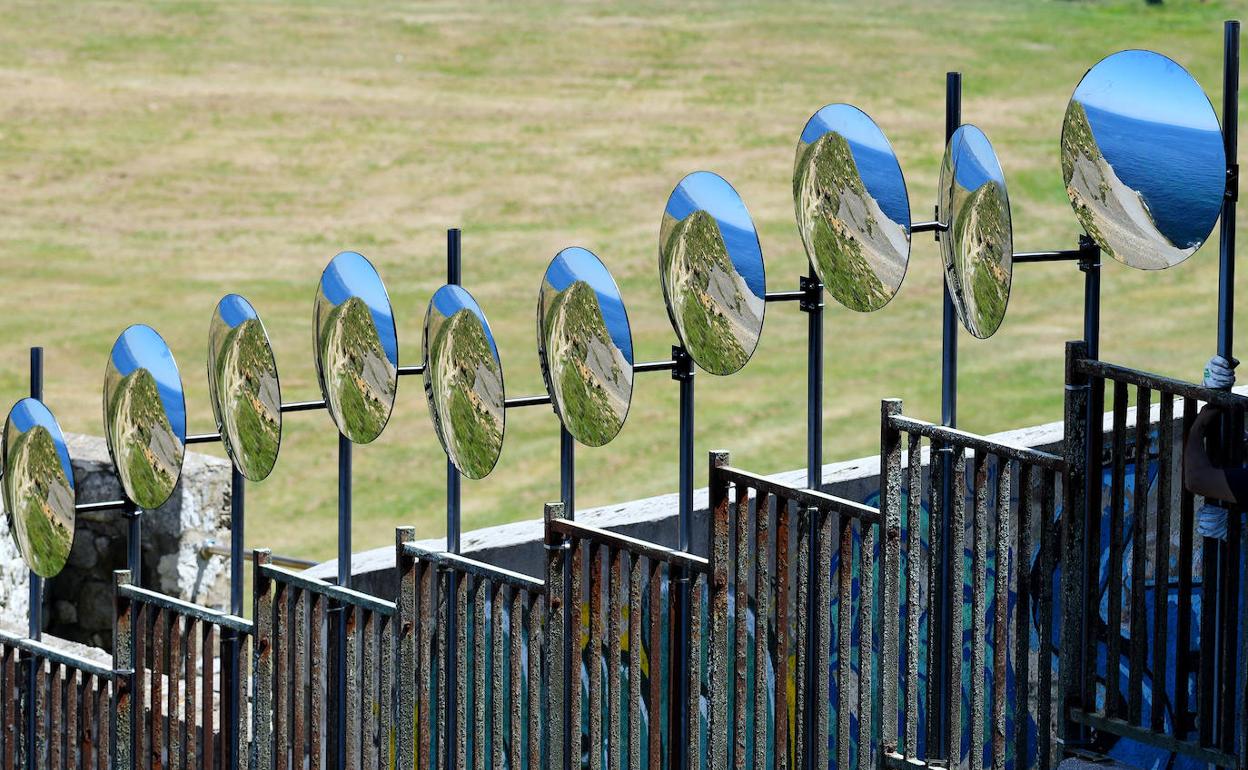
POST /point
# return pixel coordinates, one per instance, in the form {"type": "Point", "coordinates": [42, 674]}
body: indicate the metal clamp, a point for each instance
{"type": "Point", "coordinates": [683, 369]}
{"type": "Point", "coordinates": [812, 290]}
{"type": "Point", "coordinates": [1232, 182]}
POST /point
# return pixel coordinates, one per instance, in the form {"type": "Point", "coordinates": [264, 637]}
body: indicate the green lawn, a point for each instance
{"type": "Point", "coordinates": [156, 156]}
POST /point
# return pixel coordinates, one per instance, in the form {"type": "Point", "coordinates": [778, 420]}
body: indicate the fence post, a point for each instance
{"type": "Point", "coordinates": [557, 642]}
{"type": "Point", "coordinates": [405, 743]}
{"type": "Point", "coordinates": [125, 677]}
{"type": "Point", "coordinates": [1076, 591]}
{"type": "Point", "coordinates": [262, 711]}
{"type": "Point", "coordinates": [890, 564]}
{"type": "Point", "coordinates": [718, 676]}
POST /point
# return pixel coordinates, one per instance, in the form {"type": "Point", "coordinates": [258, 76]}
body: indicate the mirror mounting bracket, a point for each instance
{"type": "Point", "coordinates": [1232, 182]}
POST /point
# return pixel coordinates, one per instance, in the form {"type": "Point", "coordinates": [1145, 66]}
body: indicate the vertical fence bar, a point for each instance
{"type": "Point", "coordinates": [741, 591]}
{"type": "Point", "coordinates": [937, 630]}
{"type": "Point", "coordinates": [574, 633]}
{"type": "Point", "coordinates": [693, 672]}
{"type": "Point", "coordinates": [655, 747]}
{"type": "Point", "coordinates": [1022, 614]}
{"type": "Point", "coordinates": [125, 685]}
{"type": "Point", "coordinates": [979, 600]}
{"type": "Point", "coordinates": [915, 572]}
{"type": "Point", "coordinates": [635, 588]}
{"type": "Point", "coordinates": [265, 591]}
{"type": "Point", "coordinates": [801, 677]}
{"type": "Point", "coordinates": [866, 647]}
{"type": "Point", "coordinates": [558, 657]}
{"type": "Point", "coordinates": [615, 634]}
{"type": "Point", "coordinates": [762, 599]}
{"type": "Point", "coordinates": [595, 656]}
{"type": "Point", "coordinates": [540, 650]}
{"type": "Point", "coordinates": [1001, 616]}
{"type": "Point", "coordinates": [1113, 626]}
{"type": "Point", "coordinates": [890, 560]}
{"type": "Point", "coordinates": [1077, 584]}
{"type": "Point", "coordinates": [845, 630]}
{"type": "Point", "coordinates": [409, 681]}
{"type": "Point", "coordinates": [718, 675]}
{"type": "Point", "coordinates": [1183, 633]}
{"type": "Point", "coordinates": [784, 635]}
{"type": "Point", "coordinates": [957, 579]}
{"type": "Point", "coordinates": [1139, 547]}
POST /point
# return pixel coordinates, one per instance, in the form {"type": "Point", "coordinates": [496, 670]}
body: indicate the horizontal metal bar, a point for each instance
{"type": "Point", "coordinates": [103, 505]}
{"type": "Point", "coordinates": [785, 296]}
{"type": "Point", "coordinates": [203, 438]}
{"type": "Point", "coordinates": [1108, 371]}
{"type": "Point", "coordinates": [807, 498]}
{"type": "Point", "coordinates": [966, 440]}
{"type": "Point", "coordinates": [328, 590]}
{"type": "Point", "coordinates": [1163, 741]}
{"type": "Point", "coordinates": [644, 548]}
{"type": "Point", "coordinates": [655, 366]}
{"type": "Point", "coordinates": [928, 227]}
{"type": "Point", "coordinates": [303, 406]}
{"type": "Point", "coordinates": [513, 403]}
{"type": "Point", "coordinates": [413, 369]}
{"type": "Point", "coordinates": [1060, 255]}
{"type": "Point", "coordinates": [187, 609]}
{"type": "Point", "coordinates": [212, 548]}
{"type": "Point", "coordinates": [476, 568]}
{"type": "Point", "coordinates": [55, 655]}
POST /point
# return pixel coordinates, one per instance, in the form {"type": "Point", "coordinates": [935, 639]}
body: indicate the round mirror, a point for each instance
{"type": "Point", "coordinates": [357, 347]}
{"type": "Point", "coordinates": [38, 487]}
{"type": "Point", "coordinates": [711, 267]}
{"type": "Point", "coordinates": [1143, 159]}
{"type": "Point", "coordinates": [243, 387]}
{"type": "Point", "coordinates": [144, 416]}
{"type": "Point", "coordinates": [978, 247]}
{"type": "Point", "coordinates": [464, 382]}
{"type": "Point", "coordinates": [585, 346]}
{"type": "Point", "coordinates": [853, 212]}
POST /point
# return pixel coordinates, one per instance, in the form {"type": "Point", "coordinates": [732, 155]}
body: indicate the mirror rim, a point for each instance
{"type": "Point", "coordinates": [946, 241]}
{"type": "Point", "coordinates": [316, 347]}
{"type": "Point", "coordinates": [7, 492]}
{"type": "Point", "coordinates": [427, 377]}
{"type": "Point", "coordinates": [1061, 143]}
{"type": "Point", "coordinates": [909, 223]}
{"type": "Point", "coordinates": [218, 409]}
{"type": "Point", "coordinates": [667, 299]}
{"type": "Point", "coordinates": [179, 431]}
{"type": "Point", "coordinates": [543, 361]}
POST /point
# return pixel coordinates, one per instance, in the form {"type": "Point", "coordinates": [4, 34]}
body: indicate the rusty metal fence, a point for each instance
{"type": "Point", "coordinates": [302, 717]}
{"type": "Point", "coordinates": [72, 707]}
{"type": "Point", "coordinates": [167, 657]}
{"type": "Point", "coordinates": [1165, 604]}
{"type": "Point", "coordinates": [999, 706]}
{"type": "Point", "coordinates": [470, 662]}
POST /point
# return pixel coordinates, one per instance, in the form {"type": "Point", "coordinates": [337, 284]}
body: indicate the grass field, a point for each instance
{"type": "Point", "coordinates": [156, 156]}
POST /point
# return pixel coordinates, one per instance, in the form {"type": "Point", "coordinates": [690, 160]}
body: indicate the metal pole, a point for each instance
{"type": "Point", "coordinates": [1091, 267]}
{"type": "Point", "coordinates": [344, 580]}
{"type": "Point", "coordinates": [237, 529]}
{"type": "Point", "coordinates": [35, 615]}
{"type": "Point", "coordinates": [1224, 572]}
{"type": "Point", "coordinates": [567, 472]}
{"type": "Point", "coordinates": [681, 697]}
{"type": "Point", "coordinates": [134, 548]}
{"type": "Point", "coordinates": [812, 305]}
{"type": "Point", "coordinates": [454, 266]}
{"type": "Point", "coordinates": [949, 417]}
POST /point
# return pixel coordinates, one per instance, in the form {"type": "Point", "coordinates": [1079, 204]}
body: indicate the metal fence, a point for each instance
{"type": "Point", "coordinates": [470, 662]}
{"type": "Point", "coordinates": [1164, 603]}
{"type": "Point", "coordinates": [71, 713]}
{"type": "Point", "coordinates": [1009, 545]}
{"type": "Point", "coordinates": [818, 634]}
{"type": "Point", "coordinates": [167, 657]}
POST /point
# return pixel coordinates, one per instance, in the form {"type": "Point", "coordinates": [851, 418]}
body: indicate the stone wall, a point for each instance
{"type": "Point", "coordinates": [78, 603]}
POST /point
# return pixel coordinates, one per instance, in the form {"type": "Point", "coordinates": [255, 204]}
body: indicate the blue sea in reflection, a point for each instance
{"type": "Point", "coordinates": [883, 180]}
{"type": "Point", "coordinates": [139, 346]}
{"type": "Point", "coordinates": [711, 193]}
{"type": "Point", "coordinates": [351, 274]}
{"type": "Point", "coordinates": [1178, 170]}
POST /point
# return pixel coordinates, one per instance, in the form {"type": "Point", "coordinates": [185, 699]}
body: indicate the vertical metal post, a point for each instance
{"type": "Point", "coordinates": [134, 548]}
{"type": "Point", "coordinates": [453, 277]}
{"type": "Point", "coordinates": [1224, 574]}
{"type": "Point", "coordinates": [1090, 466]}
{"type": "Point", "coordinates": [567, 472]}
{"type": "Point", "coordinates": [237, 546]}
{"type": "Point", "coordinates": [812, 305]}
{"type": "Point", "coordinates": [949, 417]}
{"type": "Point", "coordinates": [35, 614]}
{"type": "Point", "coordinates": [344, 580]}
{"type": "Point", "coordinates": [681, 695]}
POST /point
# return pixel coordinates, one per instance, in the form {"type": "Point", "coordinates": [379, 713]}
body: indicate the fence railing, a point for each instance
{"type": "Point", "coordinates": [1167, 613]}
{"type": "Point", "coordinates": [303, 718]}
{"type": "Point", "coordinates": [819, 635]}
{"type": "Point", "coordinates": [167, 657]}
{"type": "Point", "coordinates": [72, 707]}
{"type": "Point", "coordinates": [629, 719]}
{"type": "Point", "coordinates": [1012, 554]}
{"type": "Point", "coordinates": [470, 662]}
{"type": "Point", "coordinates": [782, 548]}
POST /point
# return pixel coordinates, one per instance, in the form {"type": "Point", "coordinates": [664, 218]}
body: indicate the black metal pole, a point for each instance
{"type": "Point", "coordinates": [812, 305]}
{"type": "Point", "coordinates": [567, 472]}
{"type": "Point", "coordinates": [453, 277]}
{"type": "Point", "coordinates": [35, 616]}
{"type": "Point", "coordinates": [344, 580]}
{"type": "Point", "coordinates": [134, 548]}
{"type": "Point", "coordinates": [237, 548]}
{"type": "Point", "coordinates": [949, 417]}
{"type": "Point", "coordinates": [1225, 569]}
{"type": "Point", "coordinates": [682, 698]}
